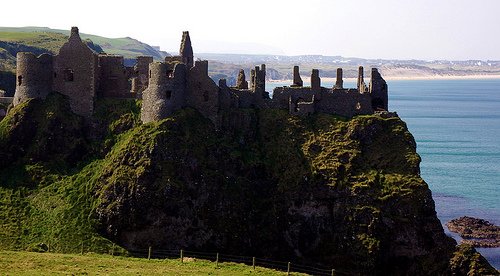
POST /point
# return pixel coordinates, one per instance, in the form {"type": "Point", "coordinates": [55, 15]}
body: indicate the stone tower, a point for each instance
{"type": "Point", "coordinates": [166, 91]}
{"type": "Point", "coordinates": [361, 81]}
{"type": "Point", "coordinates": [315, 81]}
{"type": "Point", "coordinates": [34, 77]}
{"type": "Point", "coordinates": [297, 80]}
{"type": "Point", "coordinates": [76, 74]}
{"type": "Point", "coordinates": [186, 51]}
{"type": "Point", "coordinates": [241, 83]}
{"type": "Point", "coordinates": [339, 84]}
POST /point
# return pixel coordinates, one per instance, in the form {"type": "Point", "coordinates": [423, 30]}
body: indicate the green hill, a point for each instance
{"type": "Point", "coordinates": [53, 39]}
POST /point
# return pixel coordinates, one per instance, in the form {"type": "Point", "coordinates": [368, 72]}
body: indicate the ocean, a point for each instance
{"type": "Point", "coordinates": [456, 124]}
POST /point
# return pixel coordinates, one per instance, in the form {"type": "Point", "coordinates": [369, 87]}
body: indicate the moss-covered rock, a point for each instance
{"type": "Point", "coordinates": [49, 161]}
{"type": "Point", "coordinates": [467, 261]}
{"type": "Point", "coordinates": [320, 190]}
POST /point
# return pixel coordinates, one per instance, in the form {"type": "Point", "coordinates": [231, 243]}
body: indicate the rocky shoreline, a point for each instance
{"type": "Point", "coordinates": [476, 232]}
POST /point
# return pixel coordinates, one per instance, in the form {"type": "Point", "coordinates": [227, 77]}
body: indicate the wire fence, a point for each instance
{"type": "Point", "coordinates": [107, 247]}
{"type": "Point", "coordinates": [287, 267]}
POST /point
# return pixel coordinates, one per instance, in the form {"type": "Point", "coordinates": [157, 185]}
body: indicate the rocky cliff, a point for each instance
{"type": "Point", "coordinates": [318, 190]}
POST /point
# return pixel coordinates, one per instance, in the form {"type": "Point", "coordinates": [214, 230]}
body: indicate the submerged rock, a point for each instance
{"type": "Point", "coordinates": [476, 232]}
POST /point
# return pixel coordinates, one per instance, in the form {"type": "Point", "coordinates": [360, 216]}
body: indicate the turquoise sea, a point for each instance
{"type": "Point", "coordinates": [456, 124]}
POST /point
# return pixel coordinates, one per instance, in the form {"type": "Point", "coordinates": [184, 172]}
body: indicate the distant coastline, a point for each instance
{"type": "Point", "coordinates": [391, 78]}
{"type": "Point", "coordinates": [467, 77]}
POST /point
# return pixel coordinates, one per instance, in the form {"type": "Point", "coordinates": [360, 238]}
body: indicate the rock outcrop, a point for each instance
{"type": "Point", "coordinates": [315, 190]}
{"type": "Point", "coordinates": [476, 232]}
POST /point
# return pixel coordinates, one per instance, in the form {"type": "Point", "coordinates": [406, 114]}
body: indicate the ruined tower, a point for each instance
{"type": "Point", "coordinates": [241, 83]}
{"type": "Point", "coordinates": [378, 91]}
{"type": "Point", "coordinates": [259, 79]}
{"type": "Point", "coordinates": [361, 81]}
{"type": "Point", "coordinates": [141, 72]}
{"type": "Point", "coordinates": [34, 77]}
{"type": "Point", "coordinates": [339, 84]}
{"type": "Point", "coordinates": [315, 81]}
{"type": "Point", "coordinates": [166, 91]}
{"type": "Point", "coordinates": [186, 51]}
{"type": "Point", "coordinates": [297, 80]}
{"type": "Point", "coordinates": [76, 74]}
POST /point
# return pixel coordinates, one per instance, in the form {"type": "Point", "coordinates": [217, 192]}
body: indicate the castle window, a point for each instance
{"type": "Point", "coordinates": [205, 96]}
{"type": "Point", "coordinates": [170, 73]}
{"type": "Point", "coordinates": [55, 75]}
{"type": "Point", "coordinates": [169, 94]}
{"type": "Point", "coordinates": [19, 80]}
{"type": "Point", "coordinates": [68, 75]}
{"type": "Point", "coordinates": [150, 74]}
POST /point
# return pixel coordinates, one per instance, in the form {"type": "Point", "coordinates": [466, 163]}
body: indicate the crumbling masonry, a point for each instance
{"type": "Point", "coordinates": [179, 82]}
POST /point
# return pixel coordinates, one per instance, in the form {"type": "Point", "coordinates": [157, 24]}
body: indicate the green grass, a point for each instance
{"type": "Point", "coordinates": [45, 40]}
{"type": "Point", "coordinates": [53, 39]}
{"type": "Point", "coordinates": [30, 263]}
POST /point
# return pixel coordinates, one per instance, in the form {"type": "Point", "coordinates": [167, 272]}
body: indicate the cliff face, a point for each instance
{"type": "Point", "coordinates": [316, 190]}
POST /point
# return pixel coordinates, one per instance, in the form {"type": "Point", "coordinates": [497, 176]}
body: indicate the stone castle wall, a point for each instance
{"type": "Point", "coordinates": [379, 91]}
{"type": "Point", "coordinates": [344, 102]}
{"type": "Point", "coordinates": [140, 80]}
{"type": "Point", "coordinates": [179, 82]}
{"type": "Point", "coordinates": [202, 92]}
{"type": "Point", "coordinates": [113, 77]}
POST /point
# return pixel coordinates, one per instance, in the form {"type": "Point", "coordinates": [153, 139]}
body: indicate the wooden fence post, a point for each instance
{"type": "Point", "coordinates": [182, 256]}
{"type": "Point", "coordinates": [217, 261]}
{"type": "Point", "coordinates": [149, 253]}
{"type": "Point", "coordinates": [288, 270]}
{"type": "Point", "coordinates": [253, 262]}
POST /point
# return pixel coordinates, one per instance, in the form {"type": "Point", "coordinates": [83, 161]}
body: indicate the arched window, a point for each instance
{"type": "Point", "coordinates": [19, 80]}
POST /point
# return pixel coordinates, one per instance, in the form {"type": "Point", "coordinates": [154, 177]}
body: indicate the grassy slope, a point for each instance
{"type": "Point", "coordinates": [25, 263]}
{"type": "Point", "coordinates": [128, 47]}
{"type": "Point", "coordinates": [43, 196]}
{"type": "Point", "coordinates": [46, 40]}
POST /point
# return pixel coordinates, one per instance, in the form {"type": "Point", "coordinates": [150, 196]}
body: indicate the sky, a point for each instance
{"type": "Point", "coordinates": [388, 29]}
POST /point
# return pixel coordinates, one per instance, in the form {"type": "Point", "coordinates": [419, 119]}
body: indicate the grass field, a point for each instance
{"type": "Point", "coordinates": [29, 263]}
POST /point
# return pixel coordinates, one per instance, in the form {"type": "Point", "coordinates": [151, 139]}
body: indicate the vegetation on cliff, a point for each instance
{"type": "Point", "coordinates": [317, 190]}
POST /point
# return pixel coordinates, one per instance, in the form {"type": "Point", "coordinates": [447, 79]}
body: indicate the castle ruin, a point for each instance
{"type": "Point", "coordinates": [179, 81]}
